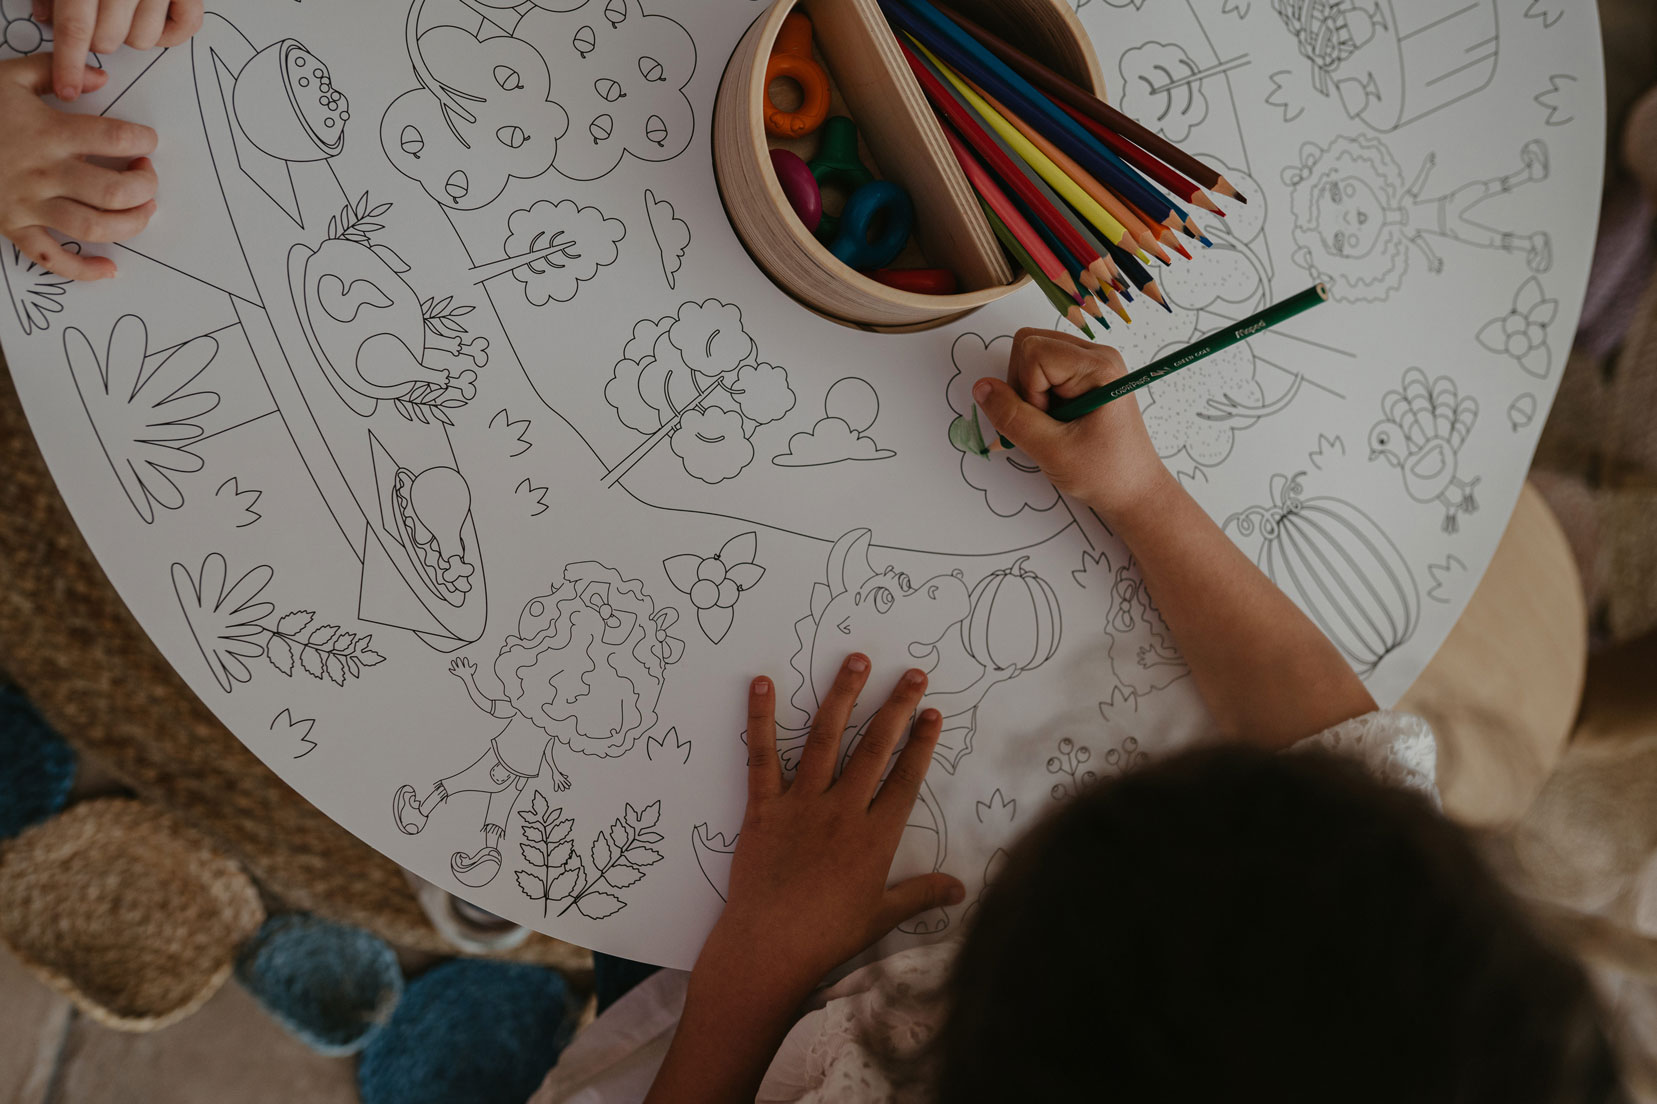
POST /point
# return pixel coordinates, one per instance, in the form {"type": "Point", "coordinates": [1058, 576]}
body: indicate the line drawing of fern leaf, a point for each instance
{"type": "Point", "coordinates": [145, 416]}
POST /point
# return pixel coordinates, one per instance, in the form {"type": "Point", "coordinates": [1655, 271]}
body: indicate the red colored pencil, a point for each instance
{"type": "Point", "coordinates": [1170, 178]}
{"type": "Point", "coordinates": [1065, 91]}
{"type": "Point", "coordinates": [984, 184]}
{"type": "Point", "coordinates": [998, 162]}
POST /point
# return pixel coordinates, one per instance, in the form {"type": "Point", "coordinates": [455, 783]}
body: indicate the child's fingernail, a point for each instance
{"type": "Point", "coordinates": [914, 677]}
{"type": "Point", "coordinates": [761, 686]}
{"type": "Point", "coordinates": [981, 390]}
{"type": "Point", "coordinates": [857, 663]}
{"type": "Point", "coordinates": [931, 716]}
{"type": "Point", "coordinates": [955, 895]}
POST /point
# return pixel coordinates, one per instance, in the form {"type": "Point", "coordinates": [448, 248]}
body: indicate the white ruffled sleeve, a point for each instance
{"type": "Point", "coordinates": [1396, 748]}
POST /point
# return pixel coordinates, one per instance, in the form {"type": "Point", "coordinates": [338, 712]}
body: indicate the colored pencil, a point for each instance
{"type": "Point", "coordinates": [1138, 275]}
{"type": "Point", "coordinates": [1069, 310]}
{"type": "Point", "coordinates": [1096, 261]}
{"type": "Point", "coordinates": [1118, 209]}
{"type": "Point", "coordinates": [977, 137]}
{"type": "Point", "coordinates": [992, 195]}
{"type": "Point", "coordinates": [1072, 192]}
{"type": "Point", "coordinates": [1173, 180]}
{"type": "Point", "coordinates": [973, 61]}
{"type": "Point", "coordinates": [1083, 405]}
{"type": "Point", "coordinates": [1151, 144]}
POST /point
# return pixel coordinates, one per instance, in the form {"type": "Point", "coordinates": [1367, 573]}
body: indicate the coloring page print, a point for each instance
{"type": "Point", "coordinates": [444, 437]}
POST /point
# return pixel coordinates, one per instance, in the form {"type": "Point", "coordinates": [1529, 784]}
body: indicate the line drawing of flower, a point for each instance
{"type": "Point", "coordinates": [35, 293]}
{"type": "Point", "coordinates": [225, 618]}
{"type": "Point", "coordinates": [714, 583]}
{"type": "Point", "coordinates": [1522, 333]}
{"type": "Point", "coordinates": [145, 418]}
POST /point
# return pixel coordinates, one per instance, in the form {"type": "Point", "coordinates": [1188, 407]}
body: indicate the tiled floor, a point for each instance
{"type": "Point", "coordinates": [229, 1051]}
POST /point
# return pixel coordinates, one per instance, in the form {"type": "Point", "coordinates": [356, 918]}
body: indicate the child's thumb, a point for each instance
{"type": "Point", "coordinates": [916, 895]}
{"type": "Point", "coordinates": [1026, 427]}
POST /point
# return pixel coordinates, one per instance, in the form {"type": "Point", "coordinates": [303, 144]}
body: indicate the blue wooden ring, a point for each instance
{"type": "Point", "coordinates": [866, 205]}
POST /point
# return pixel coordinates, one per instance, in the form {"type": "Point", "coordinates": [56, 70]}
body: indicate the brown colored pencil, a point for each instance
{"type": "Point", "coordinates": [1066, 91]}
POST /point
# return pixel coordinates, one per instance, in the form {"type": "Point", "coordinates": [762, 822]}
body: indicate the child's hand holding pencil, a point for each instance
{"type": "Point", "coordinates": [1105, 459]}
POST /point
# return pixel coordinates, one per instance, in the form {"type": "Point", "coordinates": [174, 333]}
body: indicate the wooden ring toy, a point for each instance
{"type": "Point", "coordinates": [853, 243]}
{"type": "Point", "coordinates": [792, 59]}
{"type": "Point", "coordinates": [799, 186]}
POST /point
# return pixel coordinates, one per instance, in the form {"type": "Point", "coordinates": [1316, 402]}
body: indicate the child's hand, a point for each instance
{"type": "Point", "coordinates": [101, 26]}
{"type": "Point", "coordinates": [1105, 459]}
{"type": "Point", "coordinates": [808, 880]}
{"type": "Point", "coordinates": [47, 183]}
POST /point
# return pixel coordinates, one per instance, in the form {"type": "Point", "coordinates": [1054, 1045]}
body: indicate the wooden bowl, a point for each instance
{"type": "Point", "coordinates": [905, 143]}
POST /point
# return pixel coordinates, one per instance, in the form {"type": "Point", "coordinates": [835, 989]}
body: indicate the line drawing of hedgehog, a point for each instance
{"type": "Point", "coordinates": [585, 669]}
{"type": "Point", "coordinates": [1355, 218]}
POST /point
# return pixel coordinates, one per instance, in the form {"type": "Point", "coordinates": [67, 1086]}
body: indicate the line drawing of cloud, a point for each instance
{"type": "Point", "coordinates": [830, 441]}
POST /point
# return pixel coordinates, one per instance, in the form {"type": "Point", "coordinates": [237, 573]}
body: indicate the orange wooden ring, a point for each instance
{"type": "Point", "coordinates": [792, 59]}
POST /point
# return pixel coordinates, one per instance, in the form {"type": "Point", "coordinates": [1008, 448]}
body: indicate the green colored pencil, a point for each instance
{"type": "Point", "coordinates": [1064, 304]}
{"type": "Point", "coordinates": [1083, 405]}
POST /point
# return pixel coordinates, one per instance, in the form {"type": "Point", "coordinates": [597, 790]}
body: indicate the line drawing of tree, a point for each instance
{"type": "Point", "coordinates": [554, 248]}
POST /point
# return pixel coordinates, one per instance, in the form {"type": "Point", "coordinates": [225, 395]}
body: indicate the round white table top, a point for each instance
{"type": "Point", "coordinates": [442, 434]}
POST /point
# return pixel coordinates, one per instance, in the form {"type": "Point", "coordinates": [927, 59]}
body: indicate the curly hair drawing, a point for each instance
{"type": "Point", "coordinates": [1355, 270]}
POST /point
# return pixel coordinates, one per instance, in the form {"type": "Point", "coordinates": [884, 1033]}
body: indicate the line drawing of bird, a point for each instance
{"type": "Point", "coordinates": [1424, 427]}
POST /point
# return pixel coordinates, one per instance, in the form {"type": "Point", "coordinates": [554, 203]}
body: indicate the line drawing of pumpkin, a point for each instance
{"type": "Point", "coordinates": [1015, 621]}
{"type": "Point", "coordinates": [1338, 566]}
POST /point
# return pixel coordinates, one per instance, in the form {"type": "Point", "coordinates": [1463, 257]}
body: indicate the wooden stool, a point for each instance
{"type": "Point", "coordinates": [1503, 692]}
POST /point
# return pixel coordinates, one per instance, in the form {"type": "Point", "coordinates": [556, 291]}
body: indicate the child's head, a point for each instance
{"type": "Point", "coordinates": [1230, 925]}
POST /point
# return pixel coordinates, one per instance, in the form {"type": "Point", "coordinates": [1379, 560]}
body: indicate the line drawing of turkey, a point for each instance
{"type": "Point", "coordinates": [1422, 434]}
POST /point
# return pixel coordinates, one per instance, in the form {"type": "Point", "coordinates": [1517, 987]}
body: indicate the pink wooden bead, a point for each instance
{"type": "Point", "coordinates": [799, 186]}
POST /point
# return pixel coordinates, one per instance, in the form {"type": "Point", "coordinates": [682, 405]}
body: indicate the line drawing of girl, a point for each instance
{"type": "Point", "coordinates": [1356, 219]}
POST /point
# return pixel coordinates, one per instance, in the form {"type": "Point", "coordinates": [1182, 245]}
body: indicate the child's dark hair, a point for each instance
{"type": "Point", "coordinates": [1229, 924]}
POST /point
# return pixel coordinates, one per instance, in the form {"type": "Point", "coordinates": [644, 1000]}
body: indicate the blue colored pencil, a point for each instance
{"type": "Point", "coordinates": [978, 64]}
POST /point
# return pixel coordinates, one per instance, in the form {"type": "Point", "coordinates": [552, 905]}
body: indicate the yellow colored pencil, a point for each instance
{"type": "Point", "coordinates": [1056, 178]}
{"type": "Point", "coordinates": [1120, 211]}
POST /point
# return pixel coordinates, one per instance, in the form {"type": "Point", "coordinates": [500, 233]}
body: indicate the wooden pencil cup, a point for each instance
{"type": "Point", "coordinates": [903, 142]}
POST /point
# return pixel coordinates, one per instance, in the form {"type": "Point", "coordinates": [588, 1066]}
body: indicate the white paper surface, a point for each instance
{"type": "Point", "coordinates": [477, 460]}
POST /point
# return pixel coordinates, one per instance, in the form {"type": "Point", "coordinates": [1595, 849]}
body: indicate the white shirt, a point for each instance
{"type": "Point", "coordinates": [823, 1061]}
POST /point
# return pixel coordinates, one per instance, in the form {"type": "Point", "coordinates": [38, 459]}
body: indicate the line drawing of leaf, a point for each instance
{"type": "Point", "coordinates": [598, 906]}
{"type": "Point", "coordinates": [145, 418]}
{"type": "Point", "coordinates": [226, 619]}
{"type": "Point", "coordinates": [526, 880]}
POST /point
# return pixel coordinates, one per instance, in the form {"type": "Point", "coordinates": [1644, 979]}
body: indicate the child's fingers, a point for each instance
{"type": "Point", "coordinates": [868, 760]}
{"type": "Point", "coordinates": [114, 22]}
{"type": "Point", "coordinates": [764, 768]}
{"type": "Point", "coordinates": [903, 785]}
{"type": "Point", "coordinates": [89, 224]}
{"type": "Point", "coordinates": [41, 11]}
{"type": "Point", "coordinates": [97, 136]}
{"type": "Point", "coordinates": [73, 22]}
{"type": "Point", "coordinates": [44, 250]}
{"type": "Point", "coordinates": [110, 189]}
{"type": "Point", "coordinates": [1018, 421]}
{"type": "Point", "coordinates": [183, 21]}
{"type": "Point", "coordinates": [148, 21]}
{"type": "Point", "coordinates": [822, 744]}
{"type": "Point", "coordinates": [1044, 365]}
{"type": "Point", "coordinates": [915, 895]}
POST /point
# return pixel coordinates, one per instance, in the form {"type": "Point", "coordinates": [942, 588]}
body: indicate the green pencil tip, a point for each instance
{"type": "Point", "coordinates": [966, 435]}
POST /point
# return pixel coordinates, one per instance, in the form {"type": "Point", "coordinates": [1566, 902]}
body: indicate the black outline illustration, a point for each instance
{"type": "Point", "coordinates": [1144, 656]}
{"type": "Point", "coordinates": [227, 621]}
{"type": "Point", "coordinates": [1337, 565]}
{"type": "Point", "coordinates": [1423, 429]}
{"type": "Point", "coordinates": [611, 649]}
{"type": "Point", "coordinates": [1548, 11]}
{"type": "Point", "coordinates": [35, 293]}
{"type": "Point", "coordinates": [997, 809]}
{"type": "Point", "coordinates": [1558, 100]}
{"type": "Point", "coordinates": [694, 379]}
{"type": "Point", "coordinates": [535, 497]}
{"type": "Point", "coordinates": [672, 235]}
{"type": "Point", "coordinates": [1363, 255]}
{"type": "Point", "coordinates": [240, 501]}
{"type": "Point", "coordinates": [1008, 479]}
{"type": "Point", "coordinates": [1521, 412]}
{"type": "Point", "coordinates": [841, 434]}
{"type": "Point", "coordinates": [669, 747]}
{"type": "Point", "coordinates": [714, 583]}
{"type": "Point", "coordinates": [1327, 448]}
{"type": "Point", "coordinates": [619, 856]}
{"type": "Point", "coordinates": [713, 856]}
{"type": "Point", "coordinates": [284, 720]}
{"type": "Point", "coordinates": [518, 429]}
{"type": "Point", "coordinates": [1388, 74]}
{"type": "Point", "coordinates": [1448, 572]}
{"type": "Point", "coordinates": [1163, 87]}
{"type": "Point", "coordinates": [142, 410]}
{"type": "Point", "coordinates": [1522, 333]}
{"type": "Point", "coordinates": [559, 247]}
